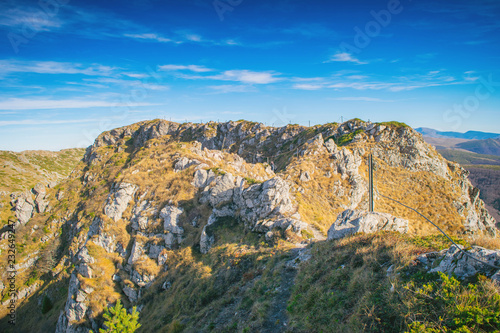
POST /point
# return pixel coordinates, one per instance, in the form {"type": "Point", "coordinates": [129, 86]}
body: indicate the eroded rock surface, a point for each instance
{"type": "Point", "coordinates": [353, 221]}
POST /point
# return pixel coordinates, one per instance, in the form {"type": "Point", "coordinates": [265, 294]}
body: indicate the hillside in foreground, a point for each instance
{"type": "Point", "coordinates": [221, 227]}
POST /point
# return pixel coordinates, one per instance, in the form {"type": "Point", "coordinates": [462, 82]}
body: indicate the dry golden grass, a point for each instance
{"type": "Point", "coordinates": [103, 270]}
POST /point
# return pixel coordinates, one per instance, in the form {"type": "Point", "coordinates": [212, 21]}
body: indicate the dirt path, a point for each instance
{"type": "Point", "coordinates": [277, 320]}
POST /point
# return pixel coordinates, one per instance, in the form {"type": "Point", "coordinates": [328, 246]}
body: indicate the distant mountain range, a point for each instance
{"type": "Point", "coordinates": [470, 135]}
{"type": "Point", "coordinates": [473, 141]}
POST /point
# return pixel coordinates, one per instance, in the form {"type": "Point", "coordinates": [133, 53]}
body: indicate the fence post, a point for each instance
{"type": "Point", "coordinates": [370, 176]}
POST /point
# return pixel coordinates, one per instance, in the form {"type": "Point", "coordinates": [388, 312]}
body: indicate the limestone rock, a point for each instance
{"type": "Point", "coordinates": [184, 163]}
{"type": "Point", "coordinates": [206, 241]}
{"type": "Point", "coordinates": [84, 256]}
{"type": "Point", "coordinates": [39, 189]}
{"type": "Point", "coordinates": [131, 293]}
{"type": "Point", "coordinates": [85, 270]}
{"type": "Point", "coordinates": [305, 176]}
{"type": "Point", "coordinates": [143, 280]}
{"type": "Point", "coordinates": [136, 252]}
{"type": "Point", "coordinates": [171, 216]}
{"type": "Point", "coordinates": [41, 203]}
{"type": "Point", "coordinates": [222, 192]}
{"type": "Point", "coordinates": [140, 213]}
{"type": "Point", "coordinates": [353, 221]}
{"type": "Point", "coordinates": [203, 178]}
{"type": "Point", "coordinates": [453, 261]}
{"type": "Point", "coordinates": [331, 146]}
{"type": "Point", "coordinates": [24, 207]}
{"type": "Point", "coordinates": [118, 200]}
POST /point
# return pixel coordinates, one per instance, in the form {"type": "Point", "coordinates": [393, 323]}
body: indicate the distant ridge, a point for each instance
{"type": "Point", "coordinates": [469, 135]}
{"type": "Point", "coordinates": [488, 146]}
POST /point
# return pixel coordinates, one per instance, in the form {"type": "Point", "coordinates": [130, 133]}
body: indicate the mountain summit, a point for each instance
{"type": "Point", "coordinates": [156, 202]}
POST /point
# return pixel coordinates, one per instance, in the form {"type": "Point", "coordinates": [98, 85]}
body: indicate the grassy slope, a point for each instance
{"type": "Point", "coordinates": [21, 171]}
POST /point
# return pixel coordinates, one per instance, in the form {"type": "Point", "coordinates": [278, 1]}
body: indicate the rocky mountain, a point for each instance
{"type": "Point", "coordinates": [484, 169]}
{"type": "Point", "coordinates": [208, 227]}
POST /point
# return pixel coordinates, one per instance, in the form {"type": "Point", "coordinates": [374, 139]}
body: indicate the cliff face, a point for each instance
{"type": "Point", "coordinates": [145, 194]}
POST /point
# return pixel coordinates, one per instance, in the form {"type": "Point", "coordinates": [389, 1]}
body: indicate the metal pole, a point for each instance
{"type": "Point", "coordinates": [370, 176]}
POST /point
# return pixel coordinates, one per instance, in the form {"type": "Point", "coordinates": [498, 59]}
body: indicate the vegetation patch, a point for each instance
{"type": "Point", "coordinates": [345, 287]}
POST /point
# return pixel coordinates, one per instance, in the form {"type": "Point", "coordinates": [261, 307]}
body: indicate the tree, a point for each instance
{"type": "Point", "coordinates": [119, 321]}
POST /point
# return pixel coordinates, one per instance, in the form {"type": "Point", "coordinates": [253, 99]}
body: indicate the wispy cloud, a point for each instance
{"type": "Point", "coordinates": [52, 67]}
{"type": "Point", "coordinates": [21, 17]}
{"type": "Point", "coordinates": [150, 36]}
{"type": "Point", "coordinates": [192, 68]}
{"type": "Point", "coordinates": [345, 57]}
{"type": "Point", "coordinates": [39, 104]}
{"type": "Point", "coordinates": [247, 76]}
{"type": "Point", "coordinates": [345, 80]}
{"type": "Point", "coordinates": [237, 75]}
{"type": "Point", "coordinates": [45, 122]}
{"type": "Point", "coordinates": [307, 86]}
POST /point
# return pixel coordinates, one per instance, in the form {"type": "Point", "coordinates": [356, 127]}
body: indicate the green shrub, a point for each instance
{"type": "Point", "coordinates": [119, 321]}
{"type": "Point", "coordinates": [347, 138]}
{"type": "Point", "coordinates": [446, 305]}
{"type": "Point", "coordinates": [46, 304]}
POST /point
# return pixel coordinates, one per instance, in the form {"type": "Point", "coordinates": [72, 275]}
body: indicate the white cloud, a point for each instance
{"type": "Point", "coordinates": [32, 18]}
{"type": "Point", "coordinates": [345, 57]}
{"type": "Point", "coordinates": [193, 68]}
{"type": "Point", "coordinates": [39, 104]}
{"type": "Point", "coordinates": [237, 75]}
{"type": "Point", "coordinates": [52, 67]}
{"type": "Point", "coordinates": [150, 36]}
{"type": "Point", "coordinates": [247, 76]}
{"type": "Point", "coordinates": [307, 86]}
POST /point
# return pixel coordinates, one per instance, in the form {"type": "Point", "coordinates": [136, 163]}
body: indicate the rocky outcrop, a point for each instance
{"type": "Point", "coordinates": [353, 221]}
{"type": "Point", "coordinates": [140, 215]}
{"type": "Point", "coordinates": [171, 216]}
{"type": "Point", "coordinates": [136, 252]}
{"type": "Point", "coordinates": [470, 206]}
{"type": "Point", "coordinates": [261, 207]}
{"type": "Point", "coordinates": [75, 309]}
{"type": "Point", "coordinates": [118, 200]}
{"type": "Point", "coordinates": [183, 163]}
{"type": "Point", "coordinates": [24, 207]}
{"type": "Point", "coordinates": [454, 261]}
{"type": "Point", "coordinates": [348, 164]}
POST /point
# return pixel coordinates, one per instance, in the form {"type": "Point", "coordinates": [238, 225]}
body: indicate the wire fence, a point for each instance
{"type": "Point", "coordinates": [437, 227]}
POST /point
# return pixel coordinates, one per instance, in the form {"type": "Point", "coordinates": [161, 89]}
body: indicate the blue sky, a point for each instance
{"type": "Point", "coordinates": [71, 69]}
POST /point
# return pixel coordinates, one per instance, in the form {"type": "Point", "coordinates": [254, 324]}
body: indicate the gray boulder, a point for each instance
{"type": "Point", "coordinates": [41, 203]}
{"type": "Point", "coordinates": [136, 252]}
{"type": "Point", "coordinates": [39, 189]}
{"type": "Point", "coordinates": [171, 216]}
{"type": "Point", "coordinates": [131, 293]}
{"type": "Point", "coordinates": [118, 200]}
{"type": "Point", "coordinates": [454, 261]}
{"type": "Point", "coordinates": [24, 207]}
{"type": "Point", "coordinates": [184, 163]}
{"type": "Point", "coordinates": [353, 221]}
